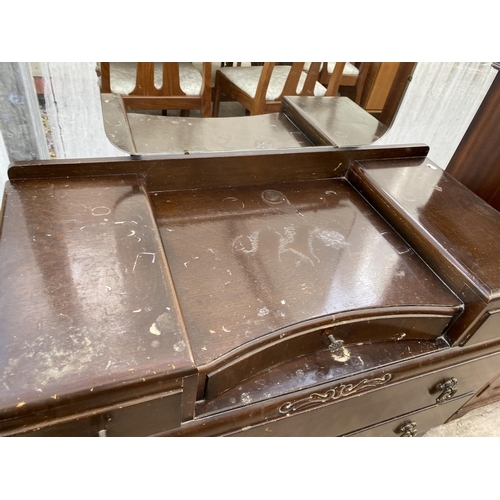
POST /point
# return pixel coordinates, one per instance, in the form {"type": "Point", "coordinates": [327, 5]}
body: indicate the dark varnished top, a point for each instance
{"type": "Point", "coordinates": [461, 228]}
{"type": "Point", "coordinates": [302, 122]}
{"type": "Point", "coordinates": [86, 302]}
{"type": "Point", "coordinates": [154, 134]}
{"type": "Point", "coordinates": [257, 259]}
{"type": "Point", "coordinates": [333, 120]}
{"type": "Point", "coordinates": [250, 261]}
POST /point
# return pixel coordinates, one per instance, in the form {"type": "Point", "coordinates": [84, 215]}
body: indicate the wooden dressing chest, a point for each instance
{"type": "Point", "coordinates": [310, 292]}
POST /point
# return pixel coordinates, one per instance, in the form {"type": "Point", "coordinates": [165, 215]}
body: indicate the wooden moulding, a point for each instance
{"type": "Point", "coordinates": [197, 170]}
{"type": "Point", "coordinates": [391, 389]}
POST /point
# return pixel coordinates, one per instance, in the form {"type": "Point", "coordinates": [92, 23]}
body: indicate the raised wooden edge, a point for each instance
{"type": "Point", "coordinates": [115, 121]}
{"type": "Point", "coordinates": [214, 382]}
{"type": "Point", "coordinates": [300, 119]}
{"type": "Point", "coordinates": [474, 293]}
{"type": "Point", "coordinates": [88, 401]}
{"type": "Point", "coordinates": [198, 170]}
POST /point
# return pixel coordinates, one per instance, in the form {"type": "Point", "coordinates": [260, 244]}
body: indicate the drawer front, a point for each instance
{"type": "Point", "coordinates": [489, 329]}
{"type": "Point", "coordinates": [142, 417]}
{"type": "Point", "coordinates": [320, 415]}
{"type": "Point", "coordinates": [416, 423]}
{"type": "Point", "coordinates": [416, 326]}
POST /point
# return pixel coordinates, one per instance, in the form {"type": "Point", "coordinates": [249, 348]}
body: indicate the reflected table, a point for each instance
{"type": "Point", "coordinates": [302, 122]}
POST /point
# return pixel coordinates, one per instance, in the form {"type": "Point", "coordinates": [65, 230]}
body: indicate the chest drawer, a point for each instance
{"type": "Point", "coordinates": [329, 412]}
{"type": "Point", "coordinates": [141, 417]}
{"type": "Point", "coordinates": [416, 423]}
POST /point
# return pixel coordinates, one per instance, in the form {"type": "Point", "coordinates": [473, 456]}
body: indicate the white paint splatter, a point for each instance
{"type": "Point", "coordinates": [179, 346]}
{"type": "Point", "coordinates": [240, 246]}
{"type": "Point", "coordinates": [246, 398]}
{"type": "Point", "coordinates": [263, 312]}
{"type": "Point", "coordinates": [341, 355]}
{"type": "Point", "coordinates": [154, 329]}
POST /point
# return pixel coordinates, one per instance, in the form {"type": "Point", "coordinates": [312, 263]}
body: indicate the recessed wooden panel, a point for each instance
{"type": "Point", "coordinates": [422, 420]}
{"type": "Point", "coordinates": [250, 263]}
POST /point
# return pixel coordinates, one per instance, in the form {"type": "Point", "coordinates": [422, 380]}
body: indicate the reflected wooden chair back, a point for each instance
{"type": "Point", "coordinates": [159, 86]}
{"type": "Point", "coordinates": [260, 88]}
{"type": "Point", "coordinates": [352, 78]}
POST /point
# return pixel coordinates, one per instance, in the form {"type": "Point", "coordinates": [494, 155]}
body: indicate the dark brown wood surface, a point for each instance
{"type": "Point", "coordinates": [344, 405]}
{"type": "Point", "coordinates": [253, 261]}
{"type": "Point", "coordinates": [477, 158]}
{"type": "Point", "coordinates": [421, 421]}
{"type": "Point", "coordinates": [117, 289]}
{"type": "Point", "coordinates": [86, 301]}
{"type": "Point", "coordinates": [456, 231]}
{"type": "Point", "coordinates": [332, 120]}
{"type": "Point", "coordinates": [228, 169]}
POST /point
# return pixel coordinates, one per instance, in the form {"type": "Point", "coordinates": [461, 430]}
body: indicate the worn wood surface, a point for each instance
{"type": "Point", "coordinates": [454, 229]}
{"type": "Point", "coordinates": [86, 301]}
{"type": "Point", "coordinates": [344, 405]}
{"type": "Point", "coordinates": [214, 281]}
{"type": "Point", "coordinates": [332, 120]}
{"type": "Point", "coordinates": [256, 265]}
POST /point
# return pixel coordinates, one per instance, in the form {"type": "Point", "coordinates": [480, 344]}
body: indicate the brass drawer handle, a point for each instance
{"type": "Point", "coordinates": [408, 430]}
{"type": "Point", "coordinates": [448, 390]}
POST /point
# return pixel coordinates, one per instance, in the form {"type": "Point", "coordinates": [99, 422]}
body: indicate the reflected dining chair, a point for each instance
{"type": "Point", "coordinates": [352, 81]}
{"type": "Point", "coordinates": [260, 88]}
{"type": "Point", "coordinates": [159, 86]}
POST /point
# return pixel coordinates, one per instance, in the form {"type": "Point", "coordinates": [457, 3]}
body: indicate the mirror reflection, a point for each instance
{"type": "Point", "coordinates": [54, 110]}
{"type": "Point", "coordinates": [155, 107]}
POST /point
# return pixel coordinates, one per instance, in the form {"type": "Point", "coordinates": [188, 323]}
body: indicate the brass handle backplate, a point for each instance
{"type": "Point", "coordinates": [408, 430]}
{"type": "Point", "coordinates": [448, 390]}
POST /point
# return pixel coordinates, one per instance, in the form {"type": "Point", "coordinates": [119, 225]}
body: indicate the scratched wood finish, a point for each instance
{"type": "Point", "coordinates": [313, 370]}
{"type": "Point", "coordinates": [209, 170]}
{"type": "Point", "coordinates": [332, 120]}
{"type": "Point", "coordinates": [249, 262]}
{"type": "Point", "coordinates": [395, 389]}
{"type": "Point", "coordinates": [86, 302]}
{"type": "Point", "coordinates": [64, 257]}
{"type": "Point", "coordinates": [456, 231]}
